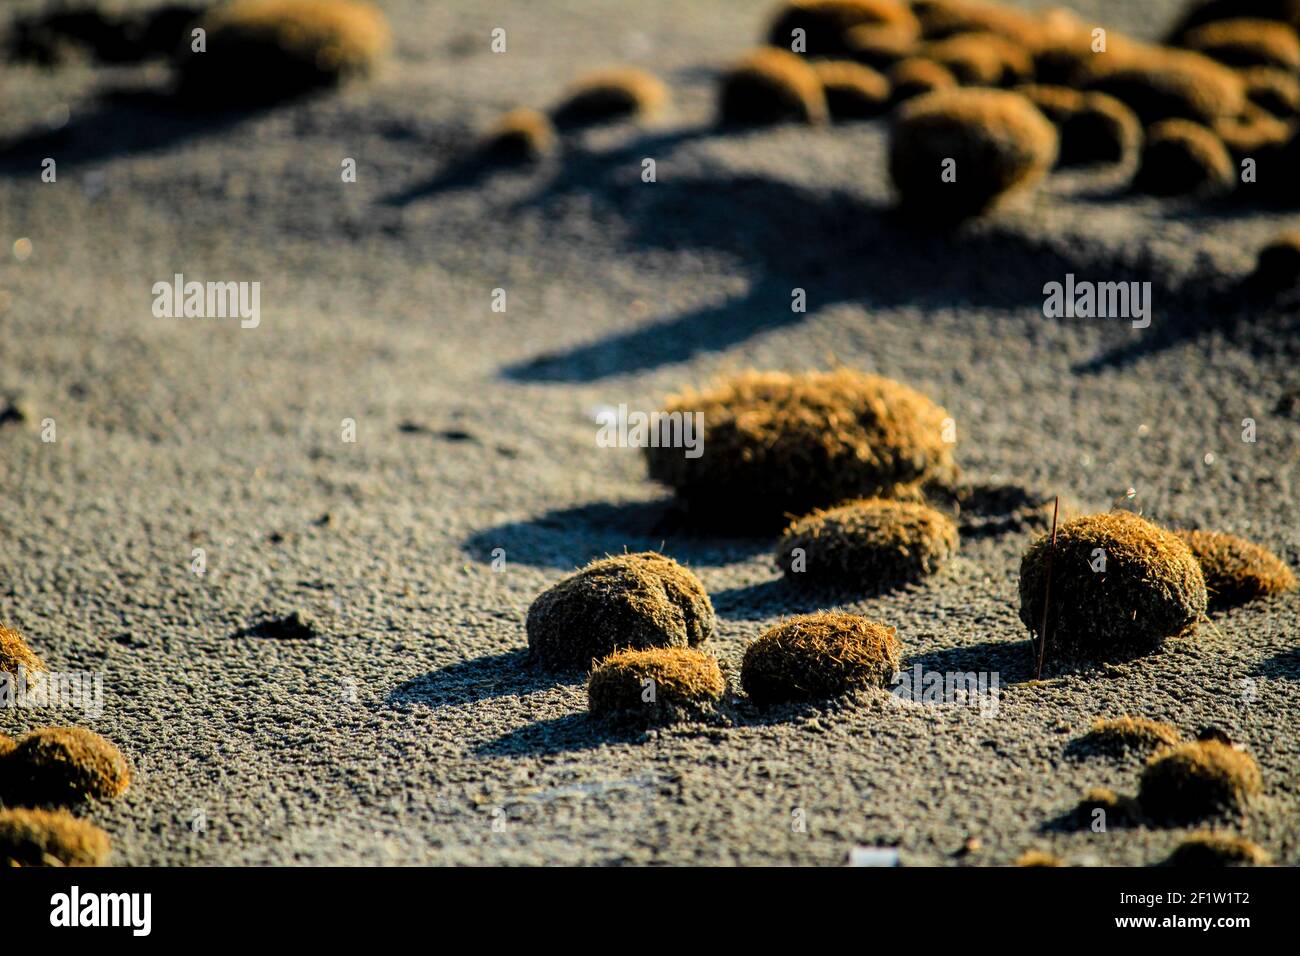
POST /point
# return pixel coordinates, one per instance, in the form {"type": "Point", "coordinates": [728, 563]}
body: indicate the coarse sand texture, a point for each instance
{"type": "Point", "coordinates": [656, 685]}
{"type": "Point", "coordinates": [50, 838]}
{"type": "Point", "coordinates": [779, 444]}
{"type": "Point", "coordinates": [958, 153]}
{"type": "Point", "coordinates": [1196, 780]}
{"type": "Point", "coordinates": [63, 765]}
{"type": "Point", "coordinates": [261, 51]}
{"type": "Point", "coordinates": [1120, 586]}
{"type": "Point", "coordinates": [15, 653]}
{"type": "Point", "coordinates": [866, 544]}
{"type": "Point", "coordinates": [632, 601]}
{"type": "Point", "coordinates": [771, 86]}
{"type": "Point", "coordinates": [818, 657]}
{"type": "Point", "coordinates": [1237, 570]}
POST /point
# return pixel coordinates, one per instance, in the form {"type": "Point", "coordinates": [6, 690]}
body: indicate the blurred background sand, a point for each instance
{"type": "Point", "coordinates": [409, 730]}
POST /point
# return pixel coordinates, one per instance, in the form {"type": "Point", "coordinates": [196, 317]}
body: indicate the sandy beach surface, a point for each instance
{"type": "Point", "coordinates": [408, 729]}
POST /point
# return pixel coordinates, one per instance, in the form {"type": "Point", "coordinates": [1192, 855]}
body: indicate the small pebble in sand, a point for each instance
{"type": "Point", "coordinates": [15, 653]}
{"type": "Point", "coordinates": [261, 51]}
{"type": "Point", "coordinates": [631, 601]}
{"type": "Point", "coordinates": [656, 685]}
{"type": "Point", "coordinates": [853, 91]}
{"type": "Point", "coordinates": [1184, 158]}
{"type": "Point", "coordinates": [1237, 570]}
{"type": "Point", "coordinates": [958, 153]}
{"type": "Point", "coordinates": [1197, 780]}
{"type": "Point", "coordinates": [50, 838]}
{"type": "Point", "coordinates": [1205, 849]}
{"type": "Point", "coordinates": [1120, 586]}
{"type": "Point", "coordinates": [772, 86]}
{"type": "Point", "coordinates": [825, 24]}
{"type": "Point", "coordinates": [64, 765]}
{"type": "Point", "coordinates": [866, 544]}
{"type": "Point", "coordinates": [778, 444]}
{"type": "Point", "coordinates": [612, 94]}
{"type": "Point", "coordinates": [818, 657]}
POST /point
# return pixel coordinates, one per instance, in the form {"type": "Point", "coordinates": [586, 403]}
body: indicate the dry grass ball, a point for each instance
{"type": "Point", "coordinates": [1253, 133]}
{"type": "Point", "coordinates": [1196, 780]}
{"type": "Point", "coordinates": [65, 765]}
{"type": "Point", "coordinates": [7, 745]}
{"type": "Point", "coordinates": [817, 657]}
{"type": "Point", "coordinates": [946, 18]}
{"type": "Point", "coordinates": [1209, 850]}
{"type": "Point", "coordinates": [1237, 570]}
{"type": "Point", "coordinates": [1277, 91]}
{"type": "Point", "coordinates": [638, 601]}
{"type": "Point", "coordinates": [521, 136]}
{"type": "Point", "coordinates": [1277, 271]}
{"type": "Point", "coordinates": [15, 653]}
{"type": "Point", "coordinates": [853, 91]}
{"type": "Point", "coordinates": [1093, 127]}
{"type": "Point", "coordinates": [1039, 858]}
{"type": "Point", "coordinates": [262, 51]}
{"type": "Point", "coordinates": [880, 47]}
{"type": "Point", "coordinates": [1151, 588]}
{"type": "Point", "coordinates": [981, 59]}
{"type": "Point", "coordinates": [1123, 735]}
{"type": "Point", "coordinates": [1172, 84]}
{"type": "Point", "coordinates": [826, 23]}
{"type": "Point", "coordinates": [50, 838]}
{"type": "Point", "coordinates": [1119, 810]}
{"type": "Point", "coordinates": [1246, 42]}
{"type": "Point", "coordinates": [916, 76]}
{"type": "Point", "coordinates": [1182, 158]}
{"type": "Point", "coordinates": [776, 444]}
{"type": "Point", "coordinates": [999, 141]}
{"type": "Point", "coordinates": [612, 94]}
{"type": "Point", "coordinates": [1213, 11]}
{"type": "Point", "coordinates": [772, 86]}
{"type": "Point", "coordinates": [660, 684]}
{"type": "Point", "coordinates": [866, 544]}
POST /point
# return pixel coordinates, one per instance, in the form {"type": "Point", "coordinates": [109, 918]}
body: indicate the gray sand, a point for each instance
{"type": "Point", "coordinates": [410, 730]}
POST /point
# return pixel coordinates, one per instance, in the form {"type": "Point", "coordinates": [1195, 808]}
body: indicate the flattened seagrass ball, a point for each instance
{"type": "Point", "coordinates": [916, 76]}
{"type": "Point", "coordinates": [15, 653]}
{"type": "Point", "coordinates": [637, 601]}
{"type": "Point", "coordinates": [958, 153]}
{"type": "Point", "coordinates": [1165, 84]}
{"type": "Point", "coordinates": [865, 544]}
{"type": "Point", "coordinates": [1093, 127]}
{"type": "Point", "coordinates": [656, 685]}
{"type": "Point", "coordinates": [981, 59]}
{"type": "Point", "coordinates": [521, 136]}
{"type": "Point", "coordinates": [1206, 850]}
{"type": "Point", "coordinates": [853, 91]}
{"type": "Point", "coordinates": [819, 28]}
{"type": "Point", "coordinates": [777, 444]}
{"type": "Point", "coordinates": [1247, 42]}
{"type": "Point", "coordinates": [611, 94]}
{"type": "Point", "coordinates": [1118, 736]}
{"type": "Point", "coordinates": [1146, 586]}
{"type": "Point", "coordinates": [1192, 781]}
{"type": "Point", "coordinates": [1182, 158]}
{"type": "Point", "coordinates": [1277, 91]}
{"type": "Point", "coordinates": [880, 47]}
{"type": "Point", "coordinates": [64, 765]}
{"type": "Point", "coordinates": [50, 838]}
{"type": "Point", "coordinates": [1237, 570]}
{"type": "Point", "coordinates": [817, 657]}
{"type": "Point", "coordinates": [772, 86]}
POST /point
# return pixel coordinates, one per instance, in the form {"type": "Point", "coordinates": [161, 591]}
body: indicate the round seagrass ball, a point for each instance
{"type": "Point", "coordinates": [819, 656]}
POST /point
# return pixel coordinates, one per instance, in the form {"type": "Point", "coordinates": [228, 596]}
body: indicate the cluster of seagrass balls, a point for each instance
{"type": "Point", "coordinates": [46, 771]}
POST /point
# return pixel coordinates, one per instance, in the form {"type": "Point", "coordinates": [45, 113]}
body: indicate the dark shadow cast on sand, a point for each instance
{"type": "Point", "coordinates": [467, 682]}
